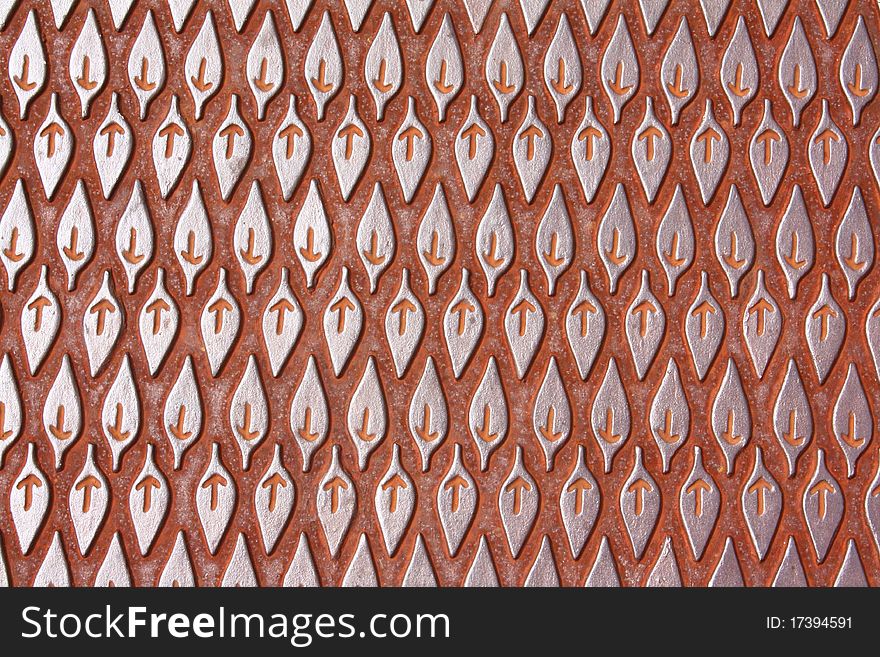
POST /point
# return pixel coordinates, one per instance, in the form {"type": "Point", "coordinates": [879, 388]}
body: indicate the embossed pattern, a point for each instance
{"type": "Point", "coordinates": [443, 292]}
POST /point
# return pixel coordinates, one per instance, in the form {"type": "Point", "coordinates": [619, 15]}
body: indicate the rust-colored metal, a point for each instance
{"type": "Point", "coordinates": [853, 547]}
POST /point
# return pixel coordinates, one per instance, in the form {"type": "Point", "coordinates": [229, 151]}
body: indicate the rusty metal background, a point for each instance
{"type": "Point", "coordinates": [828, 529]}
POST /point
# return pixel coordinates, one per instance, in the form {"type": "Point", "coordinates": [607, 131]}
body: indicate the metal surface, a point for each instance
{"type": "Point", "coordinates": [455, 292]}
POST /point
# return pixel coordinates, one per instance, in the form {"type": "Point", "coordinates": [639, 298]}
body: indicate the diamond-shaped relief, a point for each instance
{"type": "Point", "coordinates": [315, 290]}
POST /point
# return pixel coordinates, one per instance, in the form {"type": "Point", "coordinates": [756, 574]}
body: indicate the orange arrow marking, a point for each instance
{"type": "Point", "coordinates": [825, 138]}
{"type": "Point", "coordinates": [456, 484]}
{"type": "Point", "coordinates": [245, 430]}
{"type": "Point", "coordinates": [393, 486]}
{"type": "Point", "coordinates": [760, 310]}
{"type": "Point", "coordinates": [649, 135]}
{"type": "Point", "coordinates": [341, 306]}
{"type": "Point", "coordinates": [305, 432]}
{"type": "Point", "coordinates": [823, 314]}
{"type": "Point", "coordinates": [732, 259]}
{"type": "Point", "coordinates": [523, 308]}
{"type": "Point", "coordinates": [320, 82]}
{"type": "Point", "coordinates": [703, 311]}
{"type": "Point", "coordinates": [432, 256]}
{"type": "Point", "coordinates": [220, 307]}
{"type": "Point", "coordinates": [471, 133]}
{"type": "Point", "coordinates": [550, 255]}
{"type": "Point", "coordinates": [614, 254]}
{"type": "Point", "coordinates": [115, 429]}
{"type": "Point", "coordinates": [11, 251]}
{"type": "Point", "coordinates": [308, 251]}
{"type": "Point", "coordinates": [484, 432]}
{"type": "Point", "coordinates": [141, 81]}
{"type": "Point", "coordinates": [517, 486]}
{"type": "Point", "coordinates": [616, 85]}
{"type": "Point", "coordinates": [57, 429]}
{"type": "Point", "coordinates": [84, 80]}
{"type": "Point", "coordinates": [147, 484]}
{"type": "Point", "coordinates": [282, 307]}
{"type": "Point", "coordinates": [728, 435]}
{"type": "Point", "coordinates": [230, 132]}
{"type": "Point", "coordinates": [290, 133]}
{"type": "Point", "coordinates": [37, 306]}
{"type": "Point", "coordinates": [363, 433]}
{"type": "Point", "coordinates": [461, 309]}
{"type": "Point", "coordinates": [580, 488]}
{"type": "Point", "coordinates": [792, 257]}
{"type": "Point", "coordinates": [177, 430]}
{"type": "Point", "coordinates": [273, 483]}
{"type": "Point", "coordinates": [403, 307]}
{"type": "Point", "coordinates": [760, 488]}
{"type": "Point", "coordinates": [559, 83]}
{"type": "Point", "coordinates": [371, 255]}
{"type": "Point", "coordinates": [4, 432]}
{"type": "Point", "coordinates": [101, 309]}
{"type": "Point", "coordinates": [707, 137]}
{"type": "Point", "coordinates": [795, 87]}
{"type": "Point", "coordinates": [639, 487]}
{"type": "Point", "coordinates": [87, 485]}
{"type": "Point", "coordinates": [52, 133]}
{"type": "Point", "coordinates": [672, 256]}
{"type": "Point", "coordinates": [189, 254]}
{"type": "Point", "coordinates": [440, 83]}
{"type": "Point", "coordinates": [530, 134]}
{"type": "Point", "coordinates": [348, 133]}
{"type": "Point", "coordinates": [334, 486]}
{"type": "Point", "coordinates": [791, 436]}
{"type": "Point", "coordinates": [169, 132]}
{"type": "Point", "coordinates": [261, 82]}
{"type": "Point", "coordinates": [28, 484]}
{"type": "Point", "coordinates": [856, 85]}
{"type": "Point", "coordinates": [409, 135]}
{"type": "Point", "coordinates": [852, 260]}
{"type": "Point", "coordinates": [822, 489]}
{"type": "Point", "coordinates": [767, 139]}
{"type": "Point", "coordinates": [156, 307]}
{"type": "Point", "coordinates": [589, 135]}
{"type": "Point", "coordinates": [675, 87]}
{"type": "Point", "coordinates": [248, 254]}
{"type": "Point", "coordinates": [71, 251]}
{"type": "Point", "coordinates": [583, 309]}
{"type": "Point", "coordinates": [214, 482]}
{"type": "Point", "coordinates": [502, 84]}
{"type": "Point", "coordinates": [489, 256]}
{"type": "Point", "coordinates": [607, 432]}
{"type": "Point", "coordinates": [380, 83]}
{"type": "Point", "coordinates": [698, 488]}
{"type": "Point", "coordinates": [23, 80]}
{"type": "Point", "coordinates": [110, 131]}
{"type": "Point", "coordinates": [849, 436]}
{"type": "Point", "coordinates": [642, 311]}
{"type": "Point", "coordinates": [424, 431]}
{"type": "Point", "coordinates": [199, 81]}
{"type": "Point", "coordinates": [665, 432]}
{"type": "Point", "coordinates": [736, 87]}
{"type": "Point", "coordinates": [130, 253]}
{"type": "Point", "coordinates": [547, 430]}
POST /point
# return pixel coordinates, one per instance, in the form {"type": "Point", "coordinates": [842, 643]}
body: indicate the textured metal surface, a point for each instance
{"type": "Point", "coordinates": [455, 292]}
